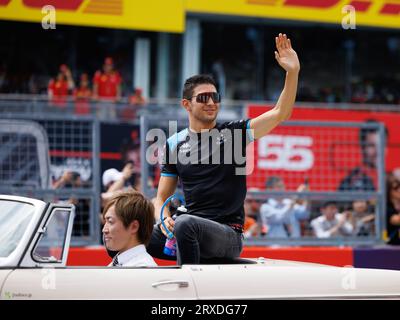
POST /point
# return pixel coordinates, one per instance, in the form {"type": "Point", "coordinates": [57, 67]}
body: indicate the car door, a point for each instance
{"type": "Point", "coordinates": [100, 283]}
{"type": "Point", "coordinates": [42, 273]}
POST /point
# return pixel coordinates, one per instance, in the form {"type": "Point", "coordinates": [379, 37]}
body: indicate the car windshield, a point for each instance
{"type": "Point", "coordinates": [14, 219]}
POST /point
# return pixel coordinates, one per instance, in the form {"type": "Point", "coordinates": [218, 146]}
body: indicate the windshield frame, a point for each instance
{"type": "Point", "coordinates": [14, 258]}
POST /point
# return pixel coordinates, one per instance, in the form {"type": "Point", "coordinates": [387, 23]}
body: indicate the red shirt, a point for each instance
{"type": "Point", "coordinates": [82, 94]}
{"type": "Point", "coordinates": [59, 88]}
{"type": "Point", "coordinates": [82, 98]}
{"type": "Point", "coordinates": [107, 84]}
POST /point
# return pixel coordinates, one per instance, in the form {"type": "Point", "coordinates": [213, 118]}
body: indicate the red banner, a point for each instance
{"type": "Point", "coordinates": [323, 155]}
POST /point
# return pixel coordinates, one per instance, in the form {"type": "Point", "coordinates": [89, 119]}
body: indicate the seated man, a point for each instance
{"type": "Point", "coordinates": [209, 160]}
{"type": "Point", "coordinates": [129, 218]}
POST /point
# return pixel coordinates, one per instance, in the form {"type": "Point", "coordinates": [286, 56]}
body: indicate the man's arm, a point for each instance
{"type": "Point", "coordinates": [319, 230]}
{"type": "Point", "coordinates": [274, 215]}
{"type": "Point", "coordinates": [166, 188]}
{"type": "Point", "coordinates": [126, 174]}
{"type": "Point", "coordinates": [288, 60]}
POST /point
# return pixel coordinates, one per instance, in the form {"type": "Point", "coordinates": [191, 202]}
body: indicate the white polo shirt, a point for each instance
{"type": "Point", "coordinates": [135, 257]}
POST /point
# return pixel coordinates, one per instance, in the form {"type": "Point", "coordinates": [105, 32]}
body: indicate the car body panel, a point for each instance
{"type": "Point", "coordinates": [23, 276]}
{"type": "Point", "coordinates": [271, 281]}
{"type": "Point", "coordinates": [100, 283]}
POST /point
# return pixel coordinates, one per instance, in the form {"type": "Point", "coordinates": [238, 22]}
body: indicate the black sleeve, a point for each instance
{"type": "Point", "coordinates": [168, 165]}
{"type": "Point", "coordinates": [244, 126]}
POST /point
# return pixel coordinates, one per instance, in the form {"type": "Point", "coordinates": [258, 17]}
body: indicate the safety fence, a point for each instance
{"type": "Point", "coordinates": [297, 170]}
{"type": "Point", "coordinates": [57, 154]}
{"type": "Point", "coordinates": [53, 158]}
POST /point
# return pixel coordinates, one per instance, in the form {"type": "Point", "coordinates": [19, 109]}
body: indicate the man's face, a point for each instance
{"type": "Point", "coordinates": [107, 67]}
{"type": "Point", "coordinates": [329, 211]}
{"type": "Point", "coordinates": [116, 236]}
{"type": "Point", "coordinates": [360, 206]}
{"type": "Point", "coordinates": [371, 149]}
{"type": "Point", "coordinates": [278, 186]}
{"type": "Point", "coordinates": [203, 112]}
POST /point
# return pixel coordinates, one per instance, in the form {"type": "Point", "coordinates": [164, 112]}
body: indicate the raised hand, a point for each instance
{"type": "Point", "coordinates": [286, 56]}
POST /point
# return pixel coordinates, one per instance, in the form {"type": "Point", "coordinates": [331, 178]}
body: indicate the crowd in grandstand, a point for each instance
{"type": "Point", "coordinates": [285, 217]}
{"type": "Point", "coordinates": [106, 84]}
{"type": "Point", "coordinates": [104, 87]}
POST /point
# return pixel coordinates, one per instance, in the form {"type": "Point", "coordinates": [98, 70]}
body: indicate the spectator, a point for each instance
{"type": "Point", "coordinates": [393, 209]}
{"type": "Point", "coordinates": [129, 219]}
{"type": "Point", "coordinates": [107, 89]}
{"type": "Point", "coordinates": [72, 179]}
{"type": "Point", "coordinates": [130, 152]}
{"type": "Point", "coordinates": [363, 177]}
{"type": "Point", "coordinates": [114, 181]}
{"type": "Point", "coordinates": [83, 95]}
{"type": "Point", "coordinates": [137, 99]}
{"type": "Point", "coordinates": [107, 83]}
{"type": "Point", "coordinates": [283, 215]}
{"type": "Point", "coordinates": [362, 220]}
{"type": "Point", "coordinates": [60, 87]}
{"type": "Point", "coordinates": [331, 223]}
{"type": "Point", "coordinates": [252, 221]}
{"type": "Point", "coordinates": [250, 227]}
{"type": "Point", "coordinates": [68, 180]}
{"type": "Point", "coordinates": [252, 213]}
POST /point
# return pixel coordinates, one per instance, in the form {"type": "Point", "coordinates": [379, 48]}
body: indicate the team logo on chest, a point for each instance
{"type": "Point", "coordinates": [221, 138]}
{"type": "Point", "coordinates": [184, 148]}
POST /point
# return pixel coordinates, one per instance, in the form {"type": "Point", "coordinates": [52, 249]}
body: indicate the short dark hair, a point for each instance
{"type": "Point", "coordinates": [272, 181]}
{"type": "Point", "coordinates": [328, 203]}
{"type": "Point", "coordinates": [366, 131]}
{"type": "Point", "coordinates": [130, 206]}
{"type": "Point", "coordinates": [194, 81]}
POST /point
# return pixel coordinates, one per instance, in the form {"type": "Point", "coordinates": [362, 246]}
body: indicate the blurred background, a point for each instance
{"type": "Point", "coordinates": [83, 81]}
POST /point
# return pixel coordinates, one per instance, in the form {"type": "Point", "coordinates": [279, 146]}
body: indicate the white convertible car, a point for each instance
{"type": "Point", "coordinates": [34, 243]}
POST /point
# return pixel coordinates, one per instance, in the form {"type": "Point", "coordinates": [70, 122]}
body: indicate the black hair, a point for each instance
{"type": "Point", "coordinates": [126, 146]}
{"type": "Point", "coordinates": [271, 181]}
{"type": "Point", "coordinates": [366, 131]}
{"type": "Point", "coordinates": [328, 203]}
{"type": "Point", "coordinates": [194, 81]}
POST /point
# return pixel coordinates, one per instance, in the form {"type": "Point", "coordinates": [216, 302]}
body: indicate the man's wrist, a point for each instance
{"type": "Point", "coordinates": [293, 72]}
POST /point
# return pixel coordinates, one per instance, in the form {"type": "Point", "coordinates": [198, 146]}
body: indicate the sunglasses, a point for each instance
{"type": "Point", "coordinates": [205, 96]}
{"type": "Point", "coordinates": [395, 186]}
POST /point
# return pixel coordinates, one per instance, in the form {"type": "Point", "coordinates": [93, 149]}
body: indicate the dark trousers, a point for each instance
{"type": "Point", "coordinates": [197, 238]}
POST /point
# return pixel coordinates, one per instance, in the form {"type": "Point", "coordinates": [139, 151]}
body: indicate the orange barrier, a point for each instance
{"type": "Point", "coordinates": [336, 256]}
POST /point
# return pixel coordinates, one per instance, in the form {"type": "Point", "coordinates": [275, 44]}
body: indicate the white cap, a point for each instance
{"type": "Point", "coordinates": [111, 175]}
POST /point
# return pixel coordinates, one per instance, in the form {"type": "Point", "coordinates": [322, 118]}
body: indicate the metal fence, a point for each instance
{"type": "Point", "coordinates": [53, 154]}
{"type": "Point", "coordinates": [54, 158]}
{"type": "Point", "coordinates": [328, 157]}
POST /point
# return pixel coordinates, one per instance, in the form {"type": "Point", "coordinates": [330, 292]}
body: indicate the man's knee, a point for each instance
{"type": "Point", "coordinates": [185, 224]}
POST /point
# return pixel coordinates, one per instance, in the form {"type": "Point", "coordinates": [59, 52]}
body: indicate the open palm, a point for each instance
{"type": "Point", "coordinates": [286, 56]}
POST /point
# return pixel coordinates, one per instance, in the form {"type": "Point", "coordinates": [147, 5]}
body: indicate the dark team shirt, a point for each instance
{"type": "Point", "coordinates": [211, 167]}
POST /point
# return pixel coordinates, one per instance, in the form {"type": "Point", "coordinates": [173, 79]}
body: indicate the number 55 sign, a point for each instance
{"type": "Point", "coordinates": [285, 152]}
